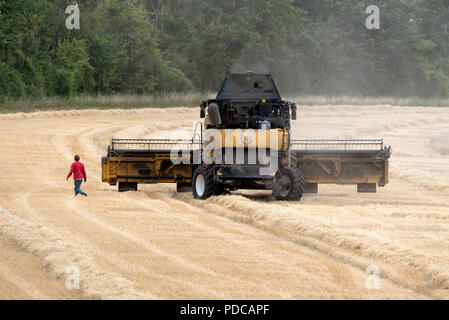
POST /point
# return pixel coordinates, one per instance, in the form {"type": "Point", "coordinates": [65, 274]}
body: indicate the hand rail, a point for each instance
{"type": "Point", "coordinates": [148, 144]}
{"type": "Point", "coordinates": [339, 145]}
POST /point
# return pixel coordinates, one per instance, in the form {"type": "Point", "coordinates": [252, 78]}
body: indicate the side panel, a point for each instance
{"type": "Point", "coordinates": [105, 170]}
{"type": "Point", "coordinates": [144, 167]}
{"type": "Point", "coordinates": [342, 167]}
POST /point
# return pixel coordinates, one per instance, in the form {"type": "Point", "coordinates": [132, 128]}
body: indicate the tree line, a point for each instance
{"type": "Point", "coordinates": [319, 47]}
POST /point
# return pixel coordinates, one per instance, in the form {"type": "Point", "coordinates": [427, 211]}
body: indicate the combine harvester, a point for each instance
{"type": "Point", "coordinates": [245, 143]}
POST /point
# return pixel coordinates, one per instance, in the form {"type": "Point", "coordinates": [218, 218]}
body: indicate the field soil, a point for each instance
{"type": "Point", "coordinates": [159, 244]}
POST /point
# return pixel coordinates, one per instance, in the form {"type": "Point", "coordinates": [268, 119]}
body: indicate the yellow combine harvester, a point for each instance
{"type": "Point", "coordinates": [245, 143]}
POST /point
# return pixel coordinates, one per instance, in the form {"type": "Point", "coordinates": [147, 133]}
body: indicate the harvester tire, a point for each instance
{"type": "Point", "coordinates": [293, 162]}
{"type": "Point", "coordinates": [288, 184]}
{"type": "Point", "coordinates": [203, 184]}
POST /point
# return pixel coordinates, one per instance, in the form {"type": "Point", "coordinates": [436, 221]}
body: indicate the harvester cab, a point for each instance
{"type": "Point", "coordinates": [248, 101]}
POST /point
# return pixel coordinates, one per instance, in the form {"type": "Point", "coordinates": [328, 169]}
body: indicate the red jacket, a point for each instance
{"type": "Point", "coordinates": [78, 171]}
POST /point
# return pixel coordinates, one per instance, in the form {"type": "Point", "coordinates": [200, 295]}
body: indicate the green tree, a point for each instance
{"type": "Point", "coordinates": [146, 46]}
{"type": "Point", "coordinates": [125, 53]}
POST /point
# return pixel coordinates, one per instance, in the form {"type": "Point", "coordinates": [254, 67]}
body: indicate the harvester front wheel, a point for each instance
{"type": "Point", "coordinates": [288, 184]}
{"type": "Point", "coordinates": [203, 183]}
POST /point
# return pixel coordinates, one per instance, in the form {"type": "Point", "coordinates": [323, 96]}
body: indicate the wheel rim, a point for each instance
{"type": "Point", "coordinates": [200, 185]}
{"type": "Point", "coordinates": [284, 185]}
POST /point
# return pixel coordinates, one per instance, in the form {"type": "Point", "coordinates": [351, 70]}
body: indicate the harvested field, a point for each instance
{"type": "Point", "coordinates": [158, 244]}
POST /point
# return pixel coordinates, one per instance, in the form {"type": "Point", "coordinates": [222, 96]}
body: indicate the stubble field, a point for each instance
{"type": "Point", "coordinates": [158, 244]}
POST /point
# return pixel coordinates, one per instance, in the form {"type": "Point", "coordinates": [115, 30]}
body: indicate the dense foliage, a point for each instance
{"type": "Point", "coordinates": [317, 47]}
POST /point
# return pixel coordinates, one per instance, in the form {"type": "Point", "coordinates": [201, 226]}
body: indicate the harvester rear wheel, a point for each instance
{"type": "Point", "coordinates": [203, 184]}
{"type": "Point", "coordinates": [288, 184]}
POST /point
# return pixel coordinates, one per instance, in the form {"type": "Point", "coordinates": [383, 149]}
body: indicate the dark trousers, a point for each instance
{"type": "Point", "coordinates": [78, 187]}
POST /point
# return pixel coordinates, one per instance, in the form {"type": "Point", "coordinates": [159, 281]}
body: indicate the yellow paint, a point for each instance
{"type": "Point", "coordinates": [249, 138]}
